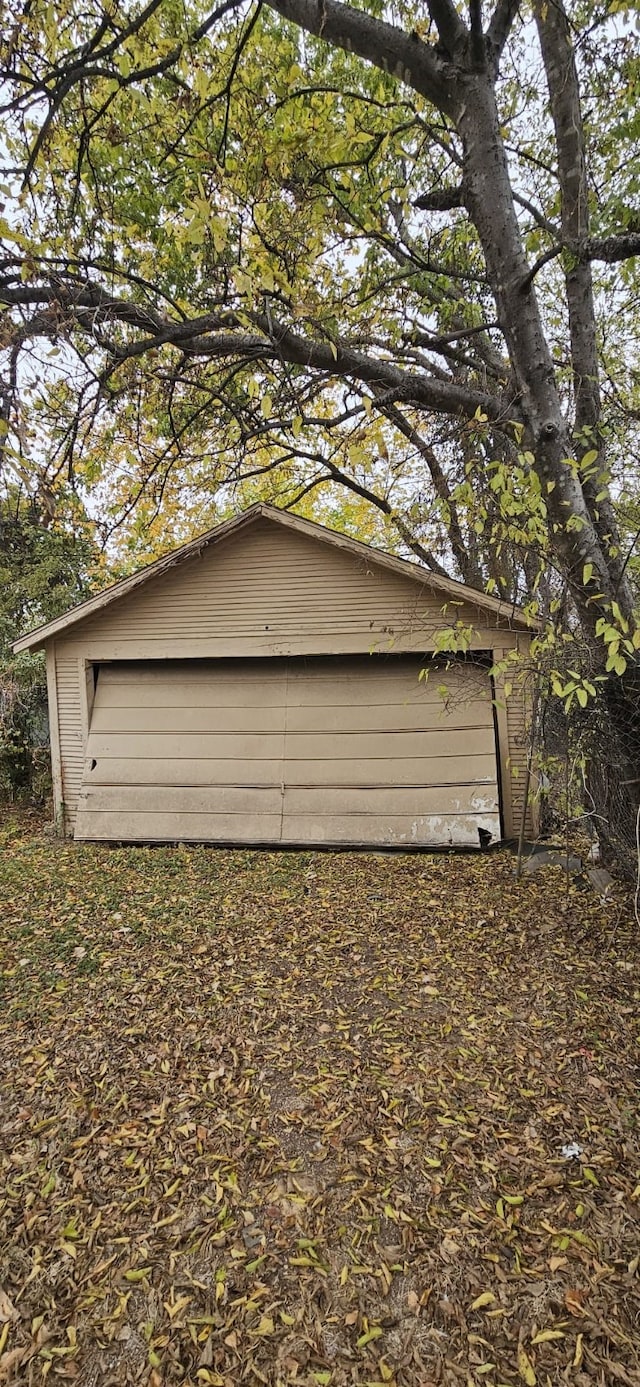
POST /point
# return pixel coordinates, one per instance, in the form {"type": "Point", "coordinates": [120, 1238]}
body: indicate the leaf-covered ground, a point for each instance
{"type": "Point", "coordinates": [279, 1118]}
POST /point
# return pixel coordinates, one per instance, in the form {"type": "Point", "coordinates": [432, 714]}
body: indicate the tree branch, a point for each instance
{"type": "Point", "coordinates": [611, 249]}
{"type": "Point", "coordinates": [381, 503]}
{"type": "Point", "coordinates": [452, 32]}
{"type": "Point", "coordinates": [215, 336]}
{"type": "Point", "coordinates": [468, 569]}
{"type": "Point", "coordinates": [400, 55]}
{"type": "Point", "coordinates": [500, 27]}
{"type": "Point", "coordinates": [554, 32]}
{"type": "Point", "coordinates": [440, 200]}
{"type": "Point", "coordinates": [478, 48]}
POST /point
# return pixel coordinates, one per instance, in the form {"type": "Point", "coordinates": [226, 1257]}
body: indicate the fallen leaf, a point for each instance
{"type": "Point", "coordinates": [526, 1368]}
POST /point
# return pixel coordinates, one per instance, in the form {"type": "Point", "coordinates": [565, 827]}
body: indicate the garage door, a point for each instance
{"type": "Point", "coordinates": [319, 751]}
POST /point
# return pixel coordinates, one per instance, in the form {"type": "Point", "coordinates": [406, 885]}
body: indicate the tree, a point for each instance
{"type": "Point", "coordinates": [44, 569]}
{"type": "Point", "coordinates": [297, 236]}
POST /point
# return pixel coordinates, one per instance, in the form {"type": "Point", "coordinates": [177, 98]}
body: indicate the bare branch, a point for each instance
{"type": "Point", "coordinates": [500, 27]}
{"type": "Point", "coordinates": [612, 249]}
{"type": "Point", "coordinates": [440, 200]}
{"type": "Point", "coordinates": [540, 263]}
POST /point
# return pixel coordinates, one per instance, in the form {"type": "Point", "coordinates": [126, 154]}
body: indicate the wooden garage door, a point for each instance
{"type": "Point", "coordinates": [322, 750]}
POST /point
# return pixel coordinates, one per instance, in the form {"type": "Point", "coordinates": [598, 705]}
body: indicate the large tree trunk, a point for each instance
{"type": "Point", "coordinates": [459, 77]}
{"type": "Point", "coordinates": [489, 198]}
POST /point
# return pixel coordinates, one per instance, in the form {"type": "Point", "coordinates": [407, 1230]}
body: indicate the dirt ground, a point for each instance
{"type": "Point", "coordinates": [300, 1118]}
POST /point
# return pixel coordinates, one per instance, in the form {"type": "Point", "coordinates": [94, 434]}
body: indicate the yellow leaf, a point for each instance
{"type": "Point", "coordinates": [173, 1310]}
{"type": "Point", "coordinates": [487, 1298]}
{"type": "Point", "coordinates": [578, 1353]}
{"type": "Point", "coordinates": [546, 1335]}
{"type": "Point", "coordinates": [4, 1336]}
{"type": "Point", "coordinates": [266, 406]}
{"type": "Point", "coordinates": [265, 1326]}
{"type": "Point", "coordinates": [526, 1368]}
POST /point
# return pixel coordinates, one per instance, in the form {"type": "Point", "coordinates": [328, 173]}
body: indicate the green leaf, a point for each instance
{"type": "Point", "coordinates": [369, 1336]}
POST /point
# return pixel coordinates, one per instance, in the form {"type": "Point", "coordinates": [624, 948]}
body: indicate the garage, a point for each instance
{"type": "Point", "coordinates": [298, 751]}
{"type": "Point", "coordinates": [262, 684]}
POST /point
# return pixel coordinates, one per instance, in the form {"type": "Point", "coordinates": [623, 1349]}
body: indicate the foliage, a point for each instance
{"type": "Point", "coordinates": [298, 251]}
{"type": "Point", "coordinates": [43, 570]}
{"type": "Point", "coordinates": [243, 263]}
{"type": "Point", "coordinates": [284, 1118]}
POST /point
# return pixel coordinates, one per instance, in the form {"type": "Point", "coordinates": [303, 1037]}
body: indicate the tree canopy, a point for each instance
{"type": "Point", "coordinates": [373, 262]}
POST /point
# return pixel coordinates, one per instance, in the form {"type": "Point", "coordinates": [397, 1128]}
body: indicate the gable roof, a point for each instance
{"type": "Point", "coordinates": [446, 587]}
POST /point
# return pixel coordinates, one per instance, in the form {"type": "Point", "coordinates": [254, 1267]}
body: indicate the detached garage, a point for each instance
{"type": "Point", "coordinates": [261, 685]}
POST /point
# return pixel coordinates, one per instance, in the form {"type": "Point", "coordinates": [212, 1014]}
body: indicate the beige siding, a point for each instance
{"type": "Point", "coordinates": [341, 752]}
{"type": "Point", "coordinates": [519, 718]}
{"type": "Point", "coordinates": [54, 740]}
{"type": "Point", "coordinates": [272, 591]}
{"type": "Point", "coordinates": [69, 670]}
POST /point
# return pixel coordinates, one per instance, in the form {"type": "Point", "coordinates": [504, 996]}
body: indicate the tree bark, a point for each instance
{"type": "Point", "coordinates": [463, 87]}
{"type": "Point", "coordinates": [564, 97]}
{"type": "Point", "coordinates": [490, 203]}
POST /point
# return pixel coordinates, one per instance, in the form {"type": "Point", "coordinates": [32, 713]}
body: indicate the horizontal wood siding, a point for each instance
{"type": "Point", "coordinates": [270, 594]}
{"type": "Point", "coordinates": [70, 726]}
{"type": "Point", "coordinates": [273, 590]}
{"type": "Point", "coordinates": [519, 723]}
{"type": "Point", "coordinates": [341, 752]}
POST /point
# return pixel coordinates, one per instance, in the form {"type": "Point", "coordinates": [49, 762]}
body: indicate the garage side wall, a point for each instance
{"type": "Point", "coordinates": [513, 719]}
{"type": "Point", "coordinates": [71, 726]}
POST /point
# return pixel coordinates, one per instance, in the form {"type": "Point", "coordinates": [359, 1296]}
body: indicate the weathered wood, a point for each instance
{"type": "Point", "coordinates": [385, 746]}
{"type": "Point", "coordinates": [479, 770]}
{"type": "Point", "coordinates": [326, 765]}
{"type": "Point", "coordinates": [397, 830]}
{"type": "Point", "coordinates": [148, 827]}
{"type": "Point", "coordinates": [312, 801]}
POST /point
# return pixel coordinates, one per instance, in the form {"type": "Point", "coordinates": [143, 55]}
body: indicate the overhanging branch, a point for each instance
{"type": "Point", "coordinates": [395, 52]}
{"type": "Point", "coordinates": [612, 249]}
